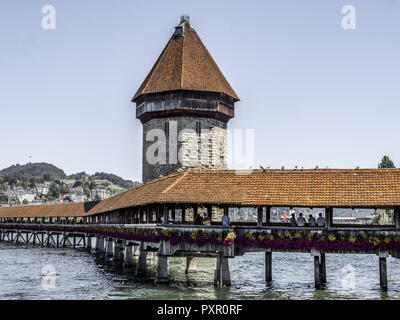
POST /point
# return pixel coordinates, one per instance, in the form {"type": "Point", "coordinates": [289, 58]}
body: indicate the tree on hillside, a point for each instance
{"type": "Point", "coordinates": [32, 182]}
{"type": "Point", "coordinates": [3, 198]}
{"type": "Point", "coordinates": [77, 183]}
{"type": "Point", "coordinates": [54, 190]}
{"type": "Point", "coordinates": [386, 163]}
{"type": "Point", "coordinates": [86, 191]}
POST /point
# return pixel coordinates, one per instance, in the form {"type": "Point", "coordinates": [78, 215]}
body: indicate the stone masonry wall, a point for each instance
{"type": "Point", "coordinates": [175, 143]}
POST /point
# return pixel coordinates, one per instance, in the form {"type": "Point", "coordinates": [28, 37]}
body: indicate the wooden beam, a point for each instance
{"type": "Point", "coordinates": [328, 217]}
{"type": "Point", "coordinates": [268, 266]}
{"type": "Point", "coordinates": [209, 211]}
{"type": "Point", "coordinates": [397, 217]}
{"type": "Point", "coordinates": [268, 215]}
{"type": "Point", "coordinates": [183, 208]}
{"type": "Point", "coordinates": [259, 216]}
{"type": "Point", "coordinates": [165, 213]}
{"type": "Point", "coordinates": [383, 273]}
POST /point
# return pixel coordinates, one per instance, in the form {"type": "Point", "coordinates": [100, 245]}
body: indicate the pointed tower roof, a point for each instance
{"type": "Point", "coordinates": [185, 64]}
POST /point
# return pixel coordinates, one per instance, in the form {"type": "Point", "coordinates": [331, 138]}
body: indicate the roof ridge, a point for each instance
{"type": "Point", "coordinates": [206, 57]}
{"type": "Point", "coordinates": [176, 181]}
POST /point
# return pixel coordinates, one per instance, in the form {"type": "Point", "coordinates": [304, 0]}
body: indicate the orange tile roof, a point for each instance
{"type": "Point", "coordinates": [50, 210]}
{"type": "Point", "coordinates": [307, 188]}
{"type": "Point", "coordinates": [286, 188]}
{"type": "Point", "coordinates": [185, 64]}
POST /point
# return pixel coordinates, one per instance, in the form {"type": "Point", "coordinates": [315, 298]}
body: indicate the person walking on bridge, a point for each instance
{"type": "Point", "coordinates": [301, 222]}
{"type": "Point", "coordinates": [321, 221]}
{"type": "Point", "coordinates": [226, 221]}
{"type": "Point", "coordinates": [311, 221]}
{"type": "Point", "coordinates": [293, 222]}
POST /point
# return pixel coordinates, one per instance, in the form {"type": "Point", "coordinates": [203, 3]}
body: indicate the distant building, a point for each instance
{"type": "Point", "coordinates": [100, 193]}
{"type": "Point", "coordinates": [78, 197]}
{"type": "Point", "coordinates": [20, 194]}
{"type": "Point", "coordinates": [28, 196]}
{"type": "Point", "coordinates": [78, 189]}
{"type": "Point", "coordinates": [43, 188]}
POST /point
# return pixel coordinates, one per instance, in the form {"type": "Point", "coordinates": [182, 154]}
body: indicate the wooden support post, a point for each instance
{"type": "Point", "coordinates": [117, 258]}
{"type": "Point", "coordinates": [165, 213]}
{"type": "Point", "coordinates": [209, 212]}
{"type": "Point", "coordinates": [89, 242]}
{"type": "Point", "coordinates": [268, 266]}
{"type": "Point", "coordinates": [141, 265]}
{"type": "Point", "coordinates": [383, 270]}
{"type": "Point", "coordinates": [97, 245]}
{"type": "Point", "coordinates": [162, 269]}
{"type": "Point", "coordinates": [397, 217]}
{"type": "Point", "coordinates": [222, 275]}
{"type": "Point", "coordinates": [140, 215]}
{"type": "Point", "coordinates": [225, 273]}
{"type": "Point", "coordinates": [323, 268]}
{"type": "Point", "coordinates": [217, 272]}
{"type": "Point", "coordinates": [317, 272]}
{"type": "Point", "coordinates": [109, 249]}
{"type": "Point", "coordinates": [48, 238]}
{"type": "Point", "coordinates": [328, 217]}
{"type": "Point", "coordinates": [128, 256]}
{"type": "Point", "coordinates": [268, 215]}
{"type": "Point", "coordinates": [259, 216]}
{"type": "Point", "coordinates": [191, 265]}
{"type": "Point", "coordinates": [183, 207]}
{"type": "Point", "coordinates": [65, 239]}
{"type": "Point", "coordinates": [173, 213]}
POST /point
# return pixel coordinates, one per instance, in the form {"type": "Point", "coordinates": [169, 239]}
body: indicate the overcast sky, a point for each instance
{"type": "Point", "coordinates": [313, 92]}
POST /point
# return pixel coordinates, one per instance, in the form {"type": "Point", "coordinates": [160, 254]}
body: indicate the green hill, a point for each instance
{"type": "Point", "coordinates": [33, 170]}
{"type": "Point", "coordinates": [48, 172]}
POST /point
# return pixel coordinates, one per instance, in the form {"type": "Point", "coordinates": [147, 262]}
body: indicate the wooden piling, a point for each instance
{"type": "Point", "coordinates": [128, 256]}
{"type": "Point", "coordinates": [117, 257]}
{"type": "Point", "coordinates": [268, 266]}
{"type": "Point", "coordinates": [222, 276]}
{"type": "Point", "coordinates": [109, 248]}
{"type": "Point", "coordinates": [141, 265]}
{"type": "Point", "coordinates": [191, 265]}
{"type": "Point", "coordinates": [383, 273]}
{"type": "Point", "coordinates": [323, 268]}
{"type": "Point", "coordinates": [317, 272]}
{"type": "Point", "coordinates": [162, 269]}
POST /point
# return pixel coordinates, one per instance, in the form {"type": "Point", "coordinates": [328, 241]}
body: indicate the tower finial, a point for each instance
{"type": "Point", "coordinates": [185, 18]}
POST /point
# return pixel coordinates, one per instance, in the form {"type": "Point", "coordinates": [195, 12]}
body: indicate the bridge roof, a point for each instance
{"type": "Point", "coordinates": [293, 188]}
{"type": "Point", "coordinates": [362, 188]}
{"type": "Point", "coordinates": [48, 210]}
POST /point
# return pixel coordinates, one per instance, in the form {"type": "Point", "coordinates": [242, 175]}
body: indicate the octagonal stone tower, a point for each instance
{"type": "Point", "coordinates": [184, 104]}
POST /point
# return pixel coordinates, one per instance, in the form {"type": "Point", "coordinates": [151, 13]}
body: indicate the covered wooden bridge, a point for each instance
{"type": "Point", "coordinates": [165, 209]}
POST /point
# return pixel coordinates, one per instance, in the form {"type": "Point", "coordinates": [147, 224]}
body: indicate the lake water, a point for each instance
{"type": "Point", "coordinates": [26, 273]}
